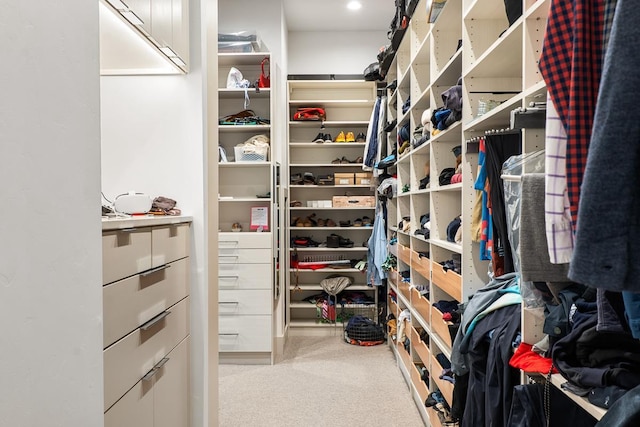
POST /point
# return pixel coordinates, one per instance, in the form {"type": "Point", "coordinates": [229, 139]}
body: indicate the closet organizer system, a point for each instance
{"type": "Point", "coordinates": [498, 66]}
{"type": "Point", "coordinates": [248, 211]}
{"type": "Point", "coordinates": [329, 196]}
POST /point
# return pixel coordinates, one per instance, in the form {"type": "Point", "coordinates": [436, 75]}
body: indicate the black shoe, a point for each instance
{"type": "Point", "coordinates": [327, 137]}
{"type": "Point", "coordinates": [361, 137]}
{"type": "Point", "coordinates": [319, 138]}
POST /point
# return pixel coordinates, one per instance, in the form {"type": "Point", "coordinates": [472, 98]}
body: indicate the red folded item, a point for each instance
{"type": "Point", "coordinates": [529, 361]}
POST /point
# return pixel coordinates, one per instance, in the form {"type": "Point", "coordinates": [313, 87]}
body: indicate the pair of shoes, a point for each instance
{"type": "Point", "coordinates": [325, 180]}
{"type": "Point", "coordinates": [322, 137]}
{"type": "Point", "coordinates": [349, 137]}
{"type": "Point", "coordinates": [309, 179]}
{"type": "Point", "coordinates": [343, 242]}
{"type": "Point", "coordinates": [236, 227]}
{"type": "Point", "coordinates": [326, 222]}
{"type": "Point", "coordinates": [366, 221]}
{"type": "Point", "coordinates": [338, 161]}
{"type": "Point", "coordinates": [295, 204]}
{"type": "Point", "coordinates": [361, 137]}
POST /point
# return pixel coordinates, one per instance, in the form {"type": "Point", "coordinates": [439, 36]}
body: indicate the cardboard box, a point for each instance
{"type": "Point", "coordinates": [364, 178]}
{"type": "Point", "coordinates": [354, 201]}
{"type": "Point", "coordinates": [344, 178]}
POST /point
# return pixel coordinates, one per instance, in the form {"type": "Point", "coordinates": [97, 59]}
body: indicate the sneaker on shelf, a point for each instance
{"type": "Point", "coordinates": [340, 137]}
{"type": "Point", "coordinates": [361, 137]}
{"type": "Point", "coordinates": [319, 138]}
{"type": "Point", "coordinates": [350, 137]}
{"type": "Point", "coordinates": [327, 137]}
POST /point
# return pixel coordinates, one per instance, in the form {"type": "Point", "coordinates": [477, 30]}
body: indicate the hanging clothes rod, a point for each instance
{"type": "Point", "coordinates": [514, 178]}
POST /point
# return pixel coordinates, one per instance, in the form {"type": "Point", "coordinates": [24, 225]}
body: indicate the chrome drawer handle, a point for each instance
{"type": "Point", "coordinates": [127, 230]}
{"type": "Point", "coordinates": [228, 302]}
{"type": "Point", "coordinates": [161, 363]}
{"type": "Point", "coordinates": [155, 320]}
{"type": "Point", "coordinates": [150, 374]}
{"type": "Point", "coordinates": [233, 242]}
{"type": "Point", "coordinates": [228, 334]}
{"type": "Point", "coordinates": [154, 270]}
{"type": "Point", "coordinates": [228, 256]}
{"type": "Point", "coordinates": [228, 277]}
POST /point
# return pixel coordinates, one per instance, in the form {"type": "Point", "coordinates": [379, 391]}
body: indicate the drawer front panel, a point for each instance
{"type": "Point", "coordinates": [134, 409]}
{"type": "Point", "coordinates": [125, 253]}
{"type": "Point", "coordinates": [244, 240]}
{"type": "Point", "coordinates": [244, 256]}
{"type": "Point", "coordinates": [244, 333]}
{"type": "Point", "coordinates": [171, 389]}
{"type": "Point", "coordinates": [129, 359]}
{"type": "Point", "coordinates": [169, 243]}
{"type": "Point", "coordinates": [129, 303]}
{"type": "Point", "coordinates": [244, 276]}
{"type": "Point", "coordinates": [232, 302]}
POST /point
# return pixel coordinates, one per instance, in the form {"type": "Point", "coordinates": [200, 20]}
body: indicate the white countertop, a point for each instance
{"type": "Point", "coordinates": [119, 223]}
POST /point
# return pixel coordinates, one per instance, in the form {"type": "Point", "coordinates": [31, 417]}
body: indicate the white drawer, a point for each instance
{"type": "Point", "coordinates": [244, 256]}
{"type": "Point", "coordinates": [244, 333]}
{"type": "Point", "coordinates": [245, 240]}
{"type": "Point", "coordinates": [129, 303]}
{"type": "Point", "coordinates": [169, 243]}
{"type": "Point", "coordinates": [135, 409]}
{"type": "Point", "coordinates": [129, 359]}
{"type": "Point", "coordinates": [125, 253]}
{"type": "Point", "coordinates": [232, 302]}
{"type": "Point", "coordinates": [244, 276]}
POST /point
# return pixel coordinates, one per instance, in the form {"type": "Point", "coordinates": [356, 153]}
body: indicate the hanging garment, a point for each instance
{"type": "Point", "coordinates": [571, 64]}
{"type": "Point", "coordinates": [377, 250]}
{"type": "Point", "coordinates": [486, 235]}
{"type": "Point", "coordinates": [607, 247]}
{"type": "Point", "coordinates": [498, 149]}
{"type": "Point", "coordinates": [535, 265]}
{"type": "Point", "coordinates": [556, 200]}
{"type": "Point", "coordinates": [625, 412]}
{"type": "Point", "coordinates": [371, 147]}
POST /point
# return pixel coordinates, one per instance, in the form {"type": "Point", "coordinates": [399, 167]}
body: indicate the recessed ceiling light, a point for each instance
{"type": "Point", "coordinates": [354, 5]}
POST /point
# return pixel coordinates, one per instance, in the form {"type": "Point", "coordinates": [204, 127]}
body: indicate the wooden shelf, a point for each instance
{"type": "Point", "coordinates": [595, 411]}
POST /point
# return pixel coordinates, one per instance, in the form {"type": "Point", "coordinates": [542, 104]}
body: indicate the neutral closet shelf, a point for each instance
{"type": "Point", "coordinates": [326, 165]}
{"type": "Point", "coordinates": [320, 288]}
{"type": "Point", "coordinates": [483, 9]}
{"type": "Point", "coordinates": [313, 249]}
{"type": "Point", "coordinates": [450, 187]}
{"type": "Point", "coordinates": [451, 71]}
{"type": "Point", "coordinates": [244, 128]}
{"type": "Point", "coordinates": [595, 411]}
{"type": "Point", "coordinates": [307, 305]}
{"type": "Point", "coordinates": [326, 145]}
{"type": "Point", "coordinates": [325, 270]}
{"type": "Point", "coordinates": [243, 164]}
{"type": "Point", "coordinates": [452, 134]}
{"type": "Point", "coordinates": [332, 103]}
{"type": "Point", "coordinates": [330, 186]}
{"type": "Point", "coordinates": [453, 247]}
{"type": "Point", "coordinates": [317, 123]}
{"type": "Point", "coordinates": [498, 118]}
{"type": "Point", "coordinates": [503, 57]}
{"type": "Point", "coordinates": [538, 90]}
{"type": "Point", "coordinates": [539, 10]}
{"type": "Point", "coordinates": [247, 58]}
{"type": "Point", "coordinates": [357, 208]}
{"type": "Point", "coordinates": [243, 199]}
{"type": "Point", "coordinates": [239, 93]}
{"type": "Point", "coordinates": [332, 228]}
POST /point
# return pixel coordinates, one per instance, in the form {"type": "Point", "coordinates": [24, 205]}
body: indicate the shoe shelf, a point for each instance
{"type": "Point", "coordinates": [240, 59]}
{"type": "Point", "coordinates": [244, 164]}
{"type": "Point", "coordinates": [348, 105]}
{"type": "Point", "coordinates": [231, 199]}
{"type": "Point", "coordinates": [450, 187]}
{"type": "Point", "coordinates": [308, 305]}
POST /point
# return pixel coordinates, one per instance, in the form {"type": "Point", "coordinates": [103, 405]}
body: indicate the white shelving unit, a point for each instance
{"type": "Point", "coordinates": [495, 61]}
{"type": "Point", "coordinates": [348, 105]}
{"type": "Point", "coordinates": [246, 331]}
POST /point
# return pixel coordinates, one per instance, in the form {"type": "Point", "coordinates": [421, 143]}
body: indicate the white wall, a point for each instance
{"type": "Point", "coordinates": [153, 142]}
{"type": "Point", "coordinates": [348, 52]}
{"type": "Point", "coordinates": [50, 257]}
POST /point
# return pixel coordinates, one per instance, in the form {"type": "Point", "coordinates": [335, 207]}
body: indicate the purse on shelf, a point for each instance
{"type": "Point", "coordinates": [309, 113]}
{"type": "Point", "coordinates": [264, 80]}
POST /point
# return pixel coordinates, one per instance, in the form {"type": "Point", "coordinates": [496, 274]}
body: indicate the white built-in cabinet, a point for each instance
{"type": "Point", "coordinates": [146, 308]}
{"type": "Point", "coordinates": [348, 105]}
{"type": "Point", "coordinates": [248, 259]}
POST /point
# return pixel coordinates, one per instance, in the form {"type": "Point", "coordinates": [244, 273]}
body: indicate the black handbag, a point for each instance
{"type": "Point", "coordinates": [372, 72]}
{"type": "Point", "coordinates": [445, 176]}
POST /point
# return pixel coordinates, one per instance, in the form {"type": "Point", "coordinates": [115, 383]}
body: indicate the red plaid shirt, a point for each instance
{"type": "Point", "coordinates": [571, 64]}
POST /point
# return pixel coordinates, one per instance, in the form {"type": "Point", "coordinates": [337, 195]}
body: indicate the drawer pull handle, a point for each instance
{"type": "Point", "coordinates": [155, 320]}
{"type": "Point", "coordinates": [228, 302]}
{"type": "Point", "coordinates": [233, 242]}
{"type": "Point", "coordinates": [161, 363]}
{"type": "Point", "coordinates": [150, 374]}
{"type": "Point", "coordinates": [228, 334]}
{"type": "Point", "coordinates": [228, 256]}
{"type": "Point", "coordinates": [154, 270]}
{"type": "Point", "coordinates": [228, 277]}
{"type": "Point", "coordinates": [127, 230]}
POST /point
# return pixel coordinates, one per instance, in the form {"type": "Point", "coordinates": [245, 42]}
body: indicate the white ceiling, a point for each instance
{"type": "Point", "coordinates": [333, 15]}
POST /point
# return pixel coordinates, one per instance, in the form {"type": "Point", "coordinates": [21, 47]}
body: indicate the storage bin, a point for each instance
{"type": "Point", "coordinates": [364, 178]}
{"type": "Point", "coordinates": [248, 156]}
{"type": "Point", "coordinates": [354, 201]}
{"type": "Point", "coordinates": [344, 178]}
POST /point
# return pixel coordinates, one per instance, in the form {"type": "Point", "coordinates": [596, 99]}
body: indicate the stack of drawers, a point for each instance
{"type": "Point", "coordinates": [146, 323]}
{"type": "Point", "coordinates": [245, 279]}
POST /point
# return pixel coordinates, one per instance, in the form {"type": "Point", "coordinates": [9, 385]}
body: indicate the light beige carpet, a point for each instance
{"type": "Point", "coordinates": [320, 381]}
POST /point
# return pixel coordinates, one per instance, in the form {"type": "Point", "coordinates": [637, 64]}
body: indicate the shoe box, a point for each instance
{"type": "Point", "coordinates": [354, 201]}
{"type": "Point", "coordinates": [358, 178]}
